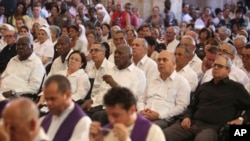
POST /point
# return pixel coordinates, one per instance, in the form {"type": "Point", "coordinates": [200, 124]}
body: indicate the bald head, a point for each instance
{"type": "Point", "coordinates": [192, 34]}
{"type": "Point", "coordinates": [167, 54]}
{"type": "Point", "coordinates": [21, 108]}
{"type": "Point", "coordinates": [122, 56]}
{"type": "Point", "coordinates": [22, 116]}
{"type": "Point", "coordinates": [125, 48]}
{"type": "Point", "coordinates": [166, 64]}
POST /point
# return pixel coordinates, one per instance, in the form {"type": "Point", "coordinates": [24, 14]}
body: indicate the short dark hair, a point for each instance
{"type": "Point", "coordinates": [151, 41]}
{"type": "Point", "coordinates": [247, 46]}
{"type": "Point", "coordinates": [107, 25]}
{"type": "Point", "coordinates": [207, 31]}
{"type": "Point", "coordinates": [213, 49]}
{"type": "Point", "coordinates": [24, 7]}
{"type": "Point", "coordinates": [83, 57]}
{"type": "Point", "coordinates": [61, 81]}
{"type": "Point", "coordinates": [121, 96]}
{"type": "Point", "coordinates": [20, 19]}
{"type": "Point", "coordinates": [75, 27]}
{"type": "Point", "coordinates": [56, 6]}
{"type": "Point", "coordinates": [106, 48]}
{"type": "Point", "coordinates": [121, 31]}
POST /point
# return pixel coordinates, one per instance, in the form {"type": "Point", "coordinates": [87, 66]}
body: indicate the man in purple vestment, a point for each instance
{"type": "Point", "coordinates": [124, 122]}
{"type": "Point", "coordinates": [66, 120]}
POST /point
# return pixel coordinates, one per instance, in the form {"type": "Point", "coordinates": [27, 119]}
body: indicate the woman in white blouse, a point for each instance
{"type": "Point", "coordinates": [44, 48]}
{"type": "Point", "coordinates": [75, 73]}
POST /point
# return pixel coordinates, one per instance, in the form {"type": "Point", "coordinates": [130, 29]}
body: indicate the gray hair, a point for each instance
{"type": "Point", "coordinates": [144, 42]}
{"type": "Point", "coordinates": [55, 29]}
{"type": "Point", "coordinates": [189, 38]}
{"type": "Point", "coordinates": [102, 46]}
{"type": "Point", "coordinates": [156, 31]}
{"type": "Point", "coordinates": [28, 40]}
{"type": "Point", "coordinates": [186, 50]}
{"type": "Point", "coordinates": [242, 38]}
{"type": "Point", "coordinates": [225, 31]}
{"type": "Point", "coordinates": [233, 49]}
{"type": "Point", "coordinates": [228, 60]}
{"type": "Point", "coordinates": [121, 31]}
{"type": "Point", "coordinates": [172, 27]}
{"type": "Point", "coordinates": [116, 27]}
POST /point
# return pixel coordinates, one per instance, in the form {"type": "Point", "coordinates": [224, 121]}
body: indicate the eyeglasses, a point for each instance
{"type": "Point", "coordinates": [219, 66]}
{"type": "Point", "coordinates": [8, 36]}
{"type": "Point", "coordinates": [94, 50]}
{"type": "Point", "coordinates": [245, 56]}
{"type": "Point", "coordinates": [225, 51]}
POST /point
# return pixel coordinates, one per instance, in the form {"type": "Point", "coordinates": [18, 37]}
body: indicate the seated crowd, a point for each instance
{"type": "Point", "coordinates": [76, 71]}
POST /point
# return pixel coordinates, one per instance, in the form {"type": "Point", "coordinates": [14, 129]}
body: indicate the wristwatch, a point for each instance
{"type": "Point", "coordinates": [13, 93]}
{"type": "Point", "coordinates": [241, 118]}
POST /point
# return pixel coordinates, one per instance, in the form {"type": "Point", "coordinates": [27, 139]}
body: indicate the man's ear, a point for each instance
{"type": "Point", "coordinates": [68, 94]}
{"type": "Point", "coordinates": [229, 70]}
{"type": "Point", "coordinates": [130, 56]}
{"type": "Point", "coordinates": [32, 125]}
{"type": "Point", "coordinates": [31, 47]}
{"type": "Point", "coordinates": [132, 109]}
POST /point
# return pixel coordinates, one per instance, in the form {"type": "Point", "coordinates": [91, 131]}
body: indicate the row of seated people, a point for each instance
{"type": "Point", "coordinates": [127, 75]}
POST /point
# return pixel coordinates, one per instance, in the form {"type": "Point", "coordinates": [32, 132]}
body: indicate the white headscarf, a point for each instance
{"type": "Point", "coordinates": [46, 29]}
{"type": "Point", "coordinates": [9, 27]}
{"type": "Point", "coordinates": [106, 18]}
{"type": "Point", "coordinates": [83, 38]}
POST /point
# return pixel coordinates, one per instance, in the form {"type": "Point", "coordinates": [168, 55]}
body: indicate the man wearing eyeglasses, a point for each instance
{"type": "Point", "coordinates": [214, 104]}
{"type": "Point", "coordinates": [236, 73]}
{"type": "Point", "coordinates": [97, 70]}
{"type": "Point", "coordinates": [125, 74]}
{"type": "Point", "coordinates": [9, 50]}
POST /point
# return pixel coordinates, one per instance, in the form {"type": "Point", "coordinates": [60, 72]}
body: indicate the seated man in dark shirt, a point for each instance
{"type": "Point", "coordinates": [215, 104]}
{"type": "Point", "coordinates": [9, 50]}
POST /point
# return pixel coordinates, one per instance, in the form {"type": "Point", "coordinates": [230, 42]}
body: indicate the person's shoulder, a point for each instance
{"type": "Point", "coordinates": [151, 61]}
{"type": "Point", "coordinates": [137, 70]}
{"type": "Point", "coordinates": [155, 133]}
{"type": "Point", "coordinates": [233, 83]}
{"type": "Point", "coordinates": [108, 64]}
{"type": "Point", "coordinates": [82, 74]}
{"type": "Point", "coordinates": [57, 60]}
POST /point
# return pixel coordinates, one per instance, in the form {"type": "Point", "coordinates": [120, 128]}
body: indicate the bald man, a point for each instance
{"type": "Point", "coordinates": [166, 95]}
{"type": "Point", "coordinates": [192, 34]}
{"type": "Point", "coordinates": [21, 119]}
